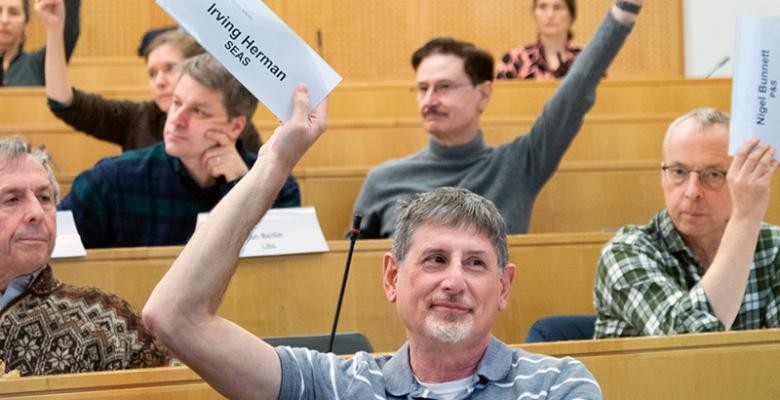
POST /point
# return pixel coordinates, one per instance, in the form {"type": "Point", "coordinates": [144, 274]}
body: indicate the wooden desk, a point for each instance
{"type": "Point", "coordinates": [580, 196]}
{"type": "Point", "coordinates": [395, 100]}
{"type": "Point", "coordinates": [729, 365]}
{"type": "Point", "coordinates": [373, 122]}
{"type": "Point", "coordinates": [368, 142]}
{"type": "Point", "coordinates": [171, 383]}
{"type": "Point", "coordinates": [278, 296]}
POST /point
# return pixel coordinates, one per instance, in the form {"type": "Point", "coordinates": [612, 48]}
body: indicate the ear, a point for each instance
{"type": "Point", "coordinates": [236, 125]}
{"type": "Point", "coordinates": [486, 93]}
{"type": "Point", "coordinates": [505, 283]}
{"type": "Point", "coordinates": [390, 276]}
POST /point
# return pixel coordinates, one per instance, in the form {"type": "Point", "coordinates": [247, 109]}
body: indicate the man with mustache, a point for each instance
{"type": "Point", "coordinates": [152, 196]}
{"type": "Point", "coordinates": [47, 327]}
{"type": "Point", "coordinates": [454, 86]}
{"type": "Point", "coordinates": [448, 274]}
{"type": "Point", "coordinates": [706, 262]}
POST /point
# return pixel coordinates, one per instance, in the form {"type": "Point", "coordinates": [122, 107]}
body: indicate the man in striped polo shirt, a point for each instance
{"type": "Point", "coordinates": [448, 274]}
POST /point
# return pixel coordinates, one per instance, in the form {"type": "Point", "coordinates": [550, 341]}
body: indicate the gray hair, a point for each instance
{"type": "Point", "coordinates": [14, 148]}
{"type": "Point", "coordinates": [206, 70]}
{"type": "Point", "coordinates": [703, 117]}
{"type": "Point", "coordinates": [453, 207]}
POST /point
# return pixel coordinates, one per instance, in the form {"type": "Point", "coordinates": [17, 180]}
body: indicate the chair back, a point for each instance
{"type": "Point", "coordinates": [344, 343]}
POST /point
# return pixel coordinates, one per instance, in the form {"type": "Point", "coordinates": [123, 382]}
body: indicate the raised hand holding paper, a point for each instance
{"type": "Point", "coordinates": [258, 48]}
{"type": "Point", "coordinates": [755, 101]}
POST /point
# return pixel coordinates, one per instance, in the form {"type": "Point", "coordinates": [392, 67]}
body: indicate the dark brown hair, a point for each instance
{"type": "Point", "coordinates": [571, 5]}
{"type": "Point", "coordinates": [478, 63]}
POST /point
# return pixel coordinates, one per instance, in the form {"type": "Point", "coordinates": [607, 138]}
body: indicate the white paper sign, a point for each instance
{"type": "Point", "coordinates": [755, 101]}
{"type": "Point", "coordinates": [258, 48]}
{"type": "Point", "coordinates": [68, 240]}
{"type": "Point", "coordinates": [284, 231]}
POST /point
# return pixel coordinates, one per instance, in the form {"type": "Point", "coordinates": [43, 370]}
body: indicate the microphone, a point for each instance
{"type": "Point", "coordinates": [354, 232]}
{"type": "Point", "coordinates": [718, 66]}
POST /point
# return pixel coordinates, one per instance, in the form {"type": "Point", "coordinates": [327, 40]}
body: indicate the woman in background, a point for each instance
{"type": "Point", "coordinates": [130, 124]}
{"type": "Point", "coordinates": [19, 68]}
{"type": "Point", "coordinates": [552, 55]}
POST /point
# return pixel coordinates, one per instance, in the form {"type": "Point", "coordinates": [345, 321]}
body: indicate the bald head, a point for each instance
{"type": "Point", "coordinates": [700, 119]}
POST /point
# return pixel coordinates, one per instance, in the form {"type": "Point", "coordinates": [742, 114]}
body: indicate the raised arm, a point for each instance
{"type": "Point", "coordinates": [563, 114]}
{"type": "Point", "coordinates": [749, 178]}
{"type": "Point", "coordinates": [636, 283]}
{"type": "Point", "coordinates": [182, 308]}
{"type": "Point", "coordinates": [635, 294]}
{"type": "Point", "coordinates": [53, 15]}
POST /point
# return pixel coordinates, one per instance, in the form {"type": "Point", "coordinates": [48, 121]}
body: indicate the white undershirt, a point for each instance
{"type": "Point", "coordinates": [450, 390]}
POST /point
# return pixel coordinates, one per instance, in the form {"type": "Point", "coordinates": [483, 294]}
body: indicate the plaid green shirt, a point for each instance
{"type": "Point", "coordinates": [649, 283]}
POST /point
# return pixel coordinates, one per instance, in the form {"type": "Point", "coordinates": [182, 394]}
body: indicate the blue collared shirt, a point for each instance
{"type": "Point", "coordinates": [17, 287]}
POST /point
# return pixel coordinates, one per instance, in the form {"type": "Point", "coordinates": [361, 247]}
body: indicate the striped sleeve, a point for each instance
{"type": "Point", "coordinates": [308, 374]}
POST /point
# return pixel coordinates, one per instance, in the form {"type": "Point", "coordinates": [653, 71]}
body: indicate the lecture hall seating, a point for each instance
{"type": "Point", "coordinates": [716, 366]}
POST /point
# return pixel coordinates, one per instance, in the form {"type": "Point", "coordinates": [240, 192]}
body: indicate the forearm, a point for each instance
{"type": "Point", "coordinates": [646, 288]}
{"type": "Point", "coordinates": [182, 308]}
{"type": "Point", "coordinates": [563, 114]}
{"type": "Point", "coordinates": [187, 298]}
{"type": "Point", "coordinates": [57, 84]}
{"type": "Point", "coordinates": [200, 275]}
{"type": "Point", "coordinates": [726, 279]}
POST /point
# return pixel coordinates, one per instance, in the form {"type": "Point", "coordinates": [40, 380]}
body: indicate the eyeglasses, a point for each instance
{"type": "Point", "coordinates": [439, 88]}
{"type": "Point", "coordinates": [711, 178]}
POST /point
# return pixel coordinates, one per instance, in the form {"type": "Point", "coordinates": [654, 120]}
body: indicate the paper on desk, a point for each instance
{"type": "Point", "coordinates": [258, 48]}
{"type": "Point", "coordinates": [755, 101]}
{"type": "Point", "coordinates": [284, 231]}
{"type": "Point", "coordinates": [68, 240]}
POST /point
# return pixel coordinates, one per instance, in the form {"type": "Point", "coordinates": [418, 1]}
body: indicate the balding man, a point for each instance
{"type": "Point", "coordinates": [706, 262]}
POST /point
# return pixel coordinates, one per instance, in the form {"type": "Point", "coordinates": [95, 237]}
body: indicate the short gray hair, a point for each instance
{"type": "Point", "coordinates": [452, 207]}
{"type": "Point", "coordinates": [14, 148]}
{"type": "Point", "coordinates": [703, 117]}
{"type": "Point", "coordinates": [206, 70]}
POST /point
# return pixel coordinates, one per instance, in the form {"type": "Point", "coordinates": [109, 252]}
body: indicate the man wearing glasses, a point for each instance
{"type": "Point", "coordinates": [706, 262]}
{"type": "Point", "coordinates": [454, 86]}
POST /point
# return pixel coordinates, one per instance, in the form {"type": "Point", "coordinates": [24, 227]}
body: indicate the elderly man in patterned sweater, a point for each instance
{"type": "Point", "coordinates": [47, 327]}
{"type": "Point", "coordinates": [706, 262]}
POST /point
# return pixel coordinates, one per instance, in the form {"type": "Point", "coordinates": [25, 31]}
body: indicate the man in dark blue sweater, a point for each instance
{"type": "Point", "coordinates": [152, 196]}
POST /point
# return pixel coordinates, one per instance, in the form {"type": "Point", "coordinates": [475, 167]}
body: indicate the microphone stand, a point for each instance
{"type": "Point", "coordinates": [718, 66]}
{"type": "Point", "coordinates": [353, 235]}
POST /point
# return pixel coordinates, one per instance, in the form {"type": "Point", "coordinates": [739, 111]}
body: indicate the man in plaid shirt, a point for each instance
{"type": "Point", "coordinates": [706, 262]}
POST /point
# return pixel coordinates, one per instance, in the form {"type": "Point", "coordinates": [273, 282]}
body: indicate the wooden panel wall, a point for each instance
{"type": "Point", "coordinates": [370, 123]}
{"type": "Point", "coordinates": [297, 294]}
{"type": "Point", "coordinates": [373, 40]}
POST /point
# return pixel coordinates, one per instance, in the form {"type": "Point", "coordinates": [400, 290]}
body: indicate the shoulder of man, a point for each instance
{"type": "Point", "coordinates": [551, 375]}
